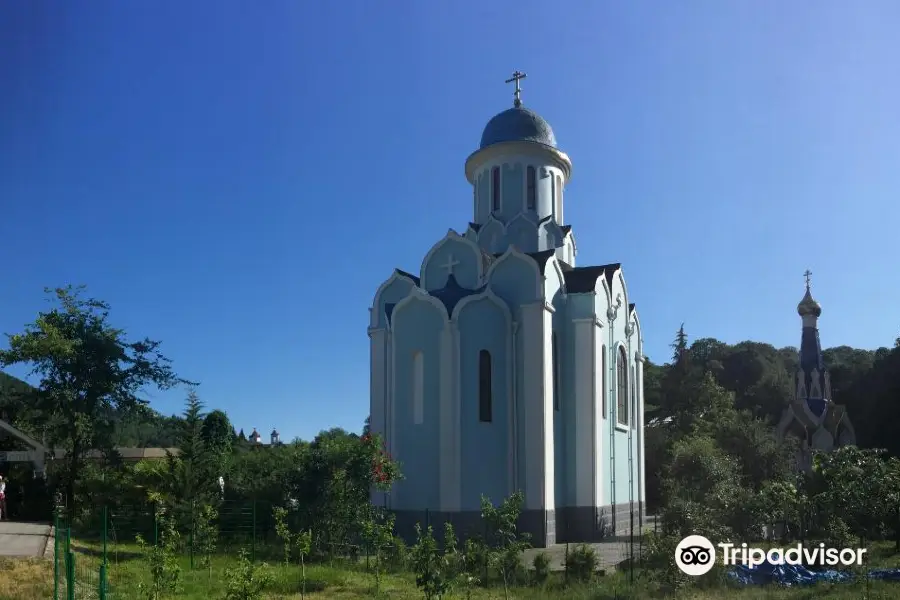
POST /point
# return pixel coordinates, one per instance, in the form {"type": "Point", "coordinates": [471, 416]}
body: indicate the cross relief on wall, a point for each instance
{"type": "Point", "coordinates": [450, 264]}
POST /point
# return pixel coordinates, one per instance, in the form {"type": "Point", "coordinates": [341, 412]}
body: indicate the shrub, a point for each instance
{"type": "Point", "coordinates": [247, 581]}
{"type": "Point", "coordinates": [541, 565]}
{"type": "Point", "coordinates": [581, 563]}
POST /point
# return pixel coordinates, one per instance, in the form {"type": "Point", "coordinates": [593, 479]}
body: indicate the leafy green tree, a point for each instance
{"type": "Point", "coordinates": [206, 535]}
{"type": "Point", "coordinates": [303, 542]}
{"type": "Point", "coordinates": [431, 571]}
{"type": "Point", "coordinates": [165, 573]}
{"type": "Point", "coordinates": [378, 533]}
{"type": "Point", "coordinates": [88, 369]}
{"type": "Point", "coordinates": [506, 543]}
{"type": "Point", "coordinates": [247, 581]}
{"type": "Point", "coordinates": [702, 490]}
{"type": "Point", "coordinates": [860, 487]}
{"type": "Point", "coordinates": [218, 440]}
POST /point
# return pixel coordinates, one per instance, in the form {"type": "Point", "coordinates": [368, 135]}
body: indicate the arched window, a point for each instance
{"type": "Point", "coordinates": [484, 386]}
{"type": "Point", "coordinates": [604, 381]}
{"type": "Point", "coordinates": [531, 185]}
{"type": "Point", "coordinates": [553, 195]}
{"type": "Point", "coordinates": [622, 388]}
{"type": "Point", "coordinates": [495, 189]}
{"type": "Point", "coordinates": [555, 358]}
{"type": "Point", "coordinates": [418, 388]}
{"type": "Point", "coordinates": [558, 198]}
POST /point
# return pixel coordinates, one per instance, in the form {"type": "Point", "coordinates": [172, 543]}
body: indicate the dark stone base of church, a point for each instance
{"type": "Point", "coordinates": [594, 524]}
{"type": "Point", "coordinates": [546, 527]}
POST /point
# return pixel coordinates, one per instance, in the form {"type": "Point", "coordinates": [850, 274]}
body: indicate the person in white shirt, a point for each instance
{"type": "Point", "coordinates": [3, 514]}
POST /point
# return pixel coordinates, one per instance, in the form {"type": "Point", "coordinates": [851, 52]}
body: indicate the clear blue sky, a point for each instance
{"type": "Point", "coordinates": [237, 178]}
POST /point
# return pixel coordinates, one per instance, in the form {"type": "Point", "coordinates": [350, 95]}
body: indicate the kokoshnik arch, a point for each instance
{"type": "Point", "coordinates": [502, 367]}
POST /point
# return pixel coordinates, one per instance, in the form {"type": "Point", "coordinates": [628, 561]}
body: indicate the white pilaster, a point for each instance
{"type": "Point", "coordinates": [537, 396]}
{"type": "Point", "coordinates": [446, 441]}
{"type": "Point", "coordinates": [377, 390]}
{"type": "Point", "coordinates": [597, 416]}
{"type": "Point", "coordinates": [640, 437]}
{"type": "Point", "coordinates": [585, 381]}
{"type": "Point", "coordinates": [455, 450]}
{"type": "Point", "coordinates": [549, 448]}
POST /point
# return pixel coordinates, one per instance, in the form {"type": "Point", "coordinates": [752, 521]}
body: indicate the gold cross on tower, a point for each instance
{"type": "Point", "coordinates": [807, 274]}
{"type": "Point", "coordinates": [517, 76]}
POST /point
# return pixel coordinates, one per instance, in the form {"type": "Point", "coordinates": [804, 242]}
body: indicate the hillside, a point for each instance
{"type": "Point", "coordinates": [760, 376]}
{"type": "Point", "coordinates": [148, 429]}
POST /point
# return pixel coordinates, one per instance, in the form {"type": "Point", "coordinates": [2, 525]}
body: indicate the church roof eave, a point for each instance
{"type": "Point", "coordinates": [583, 280]}
{"type": "Point", "coordinates": [558, 158]}
{"type": "Point", "coordinates": [414, 278]}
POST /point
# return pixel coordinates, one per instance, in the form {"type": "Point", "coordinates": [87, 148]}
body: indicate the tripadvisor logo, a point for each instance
{"type": "Point", "coordinates": [695, 555]}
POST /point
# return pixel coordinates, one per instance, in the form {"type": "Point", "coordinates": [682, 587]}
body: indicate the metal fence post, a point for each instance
{"type": "Point", "coordinates": [70, 575]}
{"type": "Point", "coordinates": [191, 541]}
{"type": "Point", "coordinates": [105, 531]}
{"type": "Point", "coordinates": [56, 554]}
{"type": "Point", "coordinates": [101, 592]}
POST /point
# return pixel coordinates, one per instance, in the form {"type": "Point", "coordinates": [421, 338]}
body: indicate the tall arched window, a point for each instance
{"type": "Point", "coordinates": [558, 198]}
{"type": "Point", "coordinates": [531, 184]}
{"type": "Point", "coordinates": [495, 189]}
{"type": "Point", "coordinates": [555, 358]}
{"type": "Point", "coordinates": [604, 379]}
{"type": "Point", "coordinates": [622, 388]}
{"type": "Point", "coordinates": [418, 388]}
{"type": "Point", "coordinates": [553, 195]}
{"type": "Point", "coordinates": [484, 386]}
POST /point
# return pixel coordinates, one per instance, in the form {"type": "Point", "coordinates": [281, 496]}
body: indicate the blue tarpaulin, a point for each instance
{"type": "Point", "coordinates": [790, 575]}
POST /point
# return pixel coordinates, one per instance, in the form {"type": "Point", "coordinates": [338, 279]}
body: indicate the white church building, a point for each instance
{"type": "Point", "coordinates": [501, 366]}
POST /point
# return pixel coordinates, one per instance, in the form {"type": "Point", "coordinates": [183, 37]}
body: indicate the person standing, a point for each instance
{"type": "Point", "coordinates": [3, 514]}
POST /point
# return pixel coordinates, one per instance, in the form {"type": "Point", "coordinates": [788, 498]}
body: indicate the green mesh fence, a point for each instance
{"type": "Point", "coordinates": [98, 554]}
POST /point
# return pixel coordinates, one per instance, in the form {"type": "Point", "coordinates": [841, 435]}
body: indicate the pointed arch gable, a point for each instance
{"type": "Point", "coordinates": [620, 278]}
{"type": "Point", "coordinates": [639, 336]}
{"type": "Point", "coordinates": [451, 237]}
{"type": "Point", "coordinates": [376, 312]}
{"type": "Point", "coordinates": [486, 296]}
{"type": "Point", "coordinates": [417, 294]}
{"type": "Point", "coordinates": [492, 230]}
{"type": "Point", "coordinates": [523, 233]}
{"type": "Point", "coordinates": [512, 254]}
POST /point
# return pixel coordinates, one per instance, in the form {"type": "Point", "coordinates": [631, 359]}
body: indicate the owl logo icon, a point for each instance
{"type": "Point", "coordinates": [695, 555]}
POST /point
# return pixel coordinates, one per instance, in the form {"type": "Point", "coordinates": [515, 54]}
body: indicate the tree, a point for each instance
{"type": "Point", "coordinates": [679, 346]}
{"type": "Point", "coordinates": [190, 468]}
{"type": "Point", "coordinates": [88, 369]}
{"type": "Point", "coordinates": [218, 441]}
{"type": "Point", "coordinates": [217, 433]}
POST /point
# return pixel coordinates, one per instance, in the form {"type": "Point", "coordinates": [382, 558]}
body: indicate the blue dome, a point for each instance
{"type": "Point", "coordinates": [516, 125]}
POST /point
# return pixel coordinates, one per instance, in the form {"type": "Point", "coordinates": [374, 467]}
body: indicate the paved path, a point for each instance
{"type": "Point", "coordinates": [23, 539]}
{"type": "Point", "coordinates": [610, 553]}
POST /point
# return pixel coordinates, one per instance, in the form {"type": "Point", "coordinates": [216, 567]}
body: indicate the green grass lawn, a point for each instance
{"type": "Point", "coordinates": [33, 580]}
